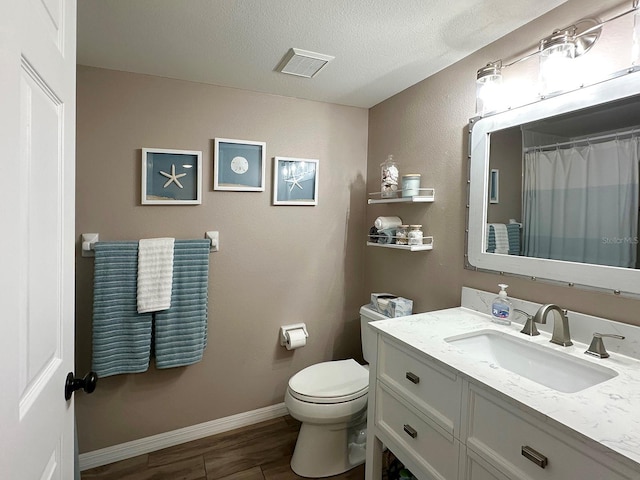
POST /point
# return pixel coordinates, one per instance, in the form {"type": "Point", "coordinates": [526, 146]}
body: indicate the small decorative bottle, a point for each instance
{"type": "Point", "coordinates": [414, 237]}
{"type": "Point", "coordinates": [389, 184]}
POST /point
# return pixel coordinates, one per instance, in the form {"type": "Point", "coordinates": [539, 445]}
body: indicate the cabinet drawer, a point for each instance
{"type": "Point", "coordinates": [513, 441]}
{"type": "Point", "coordinates": [435, 390]}
{"type": "Point", "coordinates": [477, 468]}
{"type": "Point", "coordinates": [433, 450]}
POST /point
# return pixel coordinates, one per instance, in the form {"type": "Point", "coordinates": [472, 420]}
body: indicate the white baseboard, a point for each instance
{"type": "Point", "coordinates": [141, 446]}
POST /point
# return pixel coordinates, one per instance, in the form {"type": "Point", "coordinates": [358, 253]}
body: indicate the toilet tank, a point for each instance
{"type": "Point", "coordinates": [367, 314]}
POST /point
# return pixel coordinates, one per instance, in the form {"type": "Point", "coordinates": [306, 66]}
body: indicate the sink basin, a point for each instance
{"type": "Point", "coordinates": [540, 364]}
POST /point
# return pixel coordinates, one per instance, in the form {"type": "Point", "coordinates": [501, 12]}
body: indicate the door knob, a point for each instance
{"type": "Point", "coordinates": [88, 384]}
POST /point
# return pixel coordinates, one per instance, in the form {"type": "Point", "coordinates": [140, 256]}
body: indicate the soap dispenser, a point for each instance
{"type": "Point", "coordinates": [501, 307]}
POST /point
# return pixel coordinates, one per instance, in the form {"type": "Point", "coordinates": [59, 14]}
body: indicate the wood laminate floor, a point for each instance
{"type": "Point", "coordinates": [257, 452]}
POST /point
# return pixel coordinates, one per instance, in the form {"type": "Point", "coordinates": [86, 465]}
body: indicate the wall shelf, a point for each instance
{"type": "Point", "coordinates": [427, 195]}
{"type": "Point", "coordinates": [426, 245]}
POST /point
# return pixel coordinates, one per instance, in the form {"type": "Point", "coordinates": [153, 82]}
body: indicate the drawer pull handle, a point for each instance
{"type": "Point", "coordinates": [413, 378]}
{"type": "Point", "coordinates": [535, 457]}
{"type": "Point", "coordinates": [410, 431]}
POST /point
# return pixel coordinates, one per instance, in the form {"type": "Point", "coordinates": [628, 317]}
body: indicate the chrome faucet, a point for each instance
{"type": "Point", "coordinates": [529, 327]}
{"type": "Point", "coordinates": [597, 345]}
{"type": "Point", "coordinates": [560, 335]}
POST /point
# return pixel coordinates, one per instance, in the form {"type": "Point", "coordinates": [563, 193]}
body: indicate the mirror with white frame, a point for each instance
{"type": "Point", "coordinates": [567, 209]}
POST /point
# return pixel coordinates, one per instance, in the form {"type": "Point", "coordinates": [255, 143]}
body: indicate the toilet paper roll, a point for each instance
{"type": "Point", "coordinates": [295, 339]}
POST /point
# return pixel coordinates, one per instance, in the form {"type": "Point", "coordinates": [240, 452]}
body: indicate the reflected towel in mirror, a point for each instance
{"type": "Point", "coordinates": [513, 238]}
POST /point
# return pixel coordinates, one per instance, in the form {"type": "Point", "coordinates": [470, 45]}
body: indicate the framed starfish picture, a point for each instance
{"type": "Point", "coordinates": [295, 181]}
{"type": "Point", "coordinates": [239, 165]}
{"type": "Point", "coordinates": [171, 177]}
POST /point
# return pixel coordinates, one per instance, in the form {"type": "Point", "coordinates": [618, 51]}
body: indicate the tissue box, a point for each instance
{"type": "Point", "coordinates": [391, 305]}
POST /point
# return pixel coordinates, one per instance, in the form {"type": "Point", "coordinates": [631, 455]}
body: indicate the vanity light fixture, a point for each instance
{"type": "Point", "coordinates": [488, 83]}
{"type": "Point", "coordinates": [490, 73]}
{"type": "Point", "coordinates": [556, 53]}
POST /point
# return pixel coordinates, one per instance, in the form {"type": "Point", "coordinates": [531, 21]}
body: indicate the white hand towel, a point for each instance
{"type": "Point", "coordinates": [384, 223]}
{"type": "Point", "coordinates": [155, 274]}
{"type": "Point", "coordinates": [502, 238]}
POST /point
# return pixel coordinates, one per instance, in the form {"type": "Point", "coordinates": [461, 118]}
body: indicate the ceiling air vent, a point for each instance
{"type": "Point", "coordinates": [303, 63]}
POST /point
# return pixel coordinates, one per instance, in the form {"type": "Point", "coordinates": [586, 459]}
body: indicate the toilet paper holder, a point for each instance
{"type": "Point", "coordinates": [294, 326]}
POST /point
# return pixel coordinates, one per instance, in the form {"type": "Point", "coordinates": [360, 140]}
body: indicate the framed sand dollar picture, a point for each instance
{"type": "Point", "coordinates": [239, 165]}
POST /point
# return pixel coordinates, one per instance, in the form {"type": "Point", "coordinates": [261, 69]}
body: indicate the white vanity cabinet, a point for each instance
{"type": "Point", "coordinates": [503, 441]}
{"type": "Point", "coordinates": [443, 426]}
{"type": "Point", "coordinates": [417, 410]}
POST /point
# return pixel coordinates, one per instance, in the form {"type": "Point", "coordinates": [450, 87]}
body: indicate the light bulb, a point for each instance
{"type": "Point", "coordinates": [557, 71]}
{"type": "Point", "coordinates": [489, 88]}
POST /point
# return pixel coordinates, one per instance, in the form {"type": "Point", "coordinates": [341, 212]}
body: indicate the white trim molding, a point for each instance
{"type": "Point", "coordinates": [141, 446]}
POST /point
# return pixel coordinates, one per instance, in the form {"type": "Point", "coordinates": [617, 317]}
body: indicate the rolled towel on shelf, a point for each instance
{"type": "Point", "coordinates": [384, 223]}
{"type": "Point", "coordinates": [373, 235]}
{"type": "Point", "coordinates": [387, 236]}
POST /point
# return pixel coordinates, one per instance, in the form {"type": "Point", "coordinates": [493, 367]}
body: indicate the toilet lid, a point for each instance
{"type": "Point", "coordinates": [330, 382]}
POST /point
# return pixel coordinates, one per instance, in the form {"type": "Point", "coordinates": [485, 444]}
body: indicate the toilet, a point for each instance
{"type": "Point", "coordinates": [330, 399]}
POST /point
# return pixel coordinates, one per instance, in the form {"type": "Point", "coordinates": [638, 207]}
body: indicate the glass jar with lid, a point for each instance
{"type": "Point", "coordinates": [414, 236]}
{"type": "Point", "coordinates": [402, 235]}
{"type": "Point", "coordinates": [411, 184]}
{"type": "Point", "coordinates": [389, 183]}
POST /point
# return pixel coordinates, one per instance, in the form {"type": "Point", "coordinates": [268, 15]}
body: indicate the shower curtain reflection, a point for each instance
{"type": "Point", "coordinates": [580, 203]}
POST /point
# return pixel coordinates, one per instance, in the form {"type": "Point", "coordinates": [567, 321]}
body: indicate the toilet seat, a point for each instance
{"type": "Point", "coordinates": [330, 382]}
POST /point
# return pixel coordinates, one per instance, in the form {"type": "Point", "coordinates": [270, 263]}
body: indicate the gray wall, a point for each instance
{"type": "Point", "coordinates": [425, 128]}
{"type": "Point", "coordinates": [277, 264]}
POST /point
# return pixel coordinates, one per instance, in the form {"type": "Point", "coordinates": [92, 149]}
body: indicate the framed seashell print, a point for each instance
{"type": "Point", "coordinates": [295, 181]}
{"type": "Point", "coordinates": [171, 177]}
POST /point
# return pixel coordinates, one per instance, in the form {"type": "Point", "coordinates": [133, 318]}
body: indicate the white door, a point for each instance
{"type": "Point", "coordinates": [37, 201]}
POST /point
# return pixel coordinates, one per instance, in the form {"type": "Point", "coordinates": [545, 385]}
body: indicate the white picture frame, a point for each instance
{"type": "Point", "coordinates": [171, 177]}
{"type": "Point", "coordinates": [295, 181]}
{"type": "Point", "coordinates": [239, 165]}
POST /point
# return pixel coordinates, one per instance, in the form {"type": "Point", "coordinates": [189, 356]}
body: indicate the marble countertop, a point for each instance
{"type": "Point", "coordinates": [607, 413]}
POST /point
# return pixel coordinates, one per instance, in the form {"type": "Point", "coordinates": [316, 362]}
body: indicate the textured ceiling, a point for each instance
{"type": "Point", "coordinates": [381, 47]}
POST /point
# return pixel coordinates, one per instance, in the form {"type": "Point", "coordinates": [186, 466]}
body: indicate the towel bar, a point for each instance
{"type": "Point", "coordinates": [89, 240]}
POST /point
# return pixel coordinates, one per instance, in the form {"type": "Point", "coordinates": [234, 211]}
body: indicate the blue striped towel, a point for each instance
{"type": "Point", "coordinates": [513, 231]}
{"type": "Point", "coordinates": [513, 234]}
{"type": "Point", "coordinates": [181, 331]}
{"type": "Point", "coordinates": [121, 336]}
